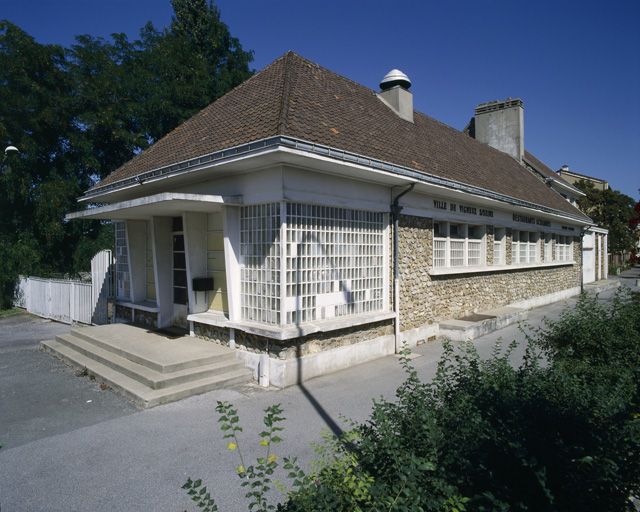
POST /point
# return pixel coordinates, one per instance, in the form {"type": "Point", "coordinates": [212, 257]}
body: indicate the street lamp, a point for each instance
{"type": "Point", "coordinates": [9, 150]}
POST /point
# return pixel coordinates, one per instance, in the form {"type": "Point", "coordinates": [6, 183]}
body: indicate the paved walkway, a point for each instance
{"type": "Point", "coordinates": [139, 460]}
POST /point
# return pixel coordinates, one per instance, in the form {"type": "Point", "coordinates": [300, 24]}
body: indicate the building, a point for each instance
{"type": "Point", "coordinates": [574, 177]}
{"type": "Point", "coordinates": [312, 223]}
{"type": "Point", "coordinates": [500, 124]}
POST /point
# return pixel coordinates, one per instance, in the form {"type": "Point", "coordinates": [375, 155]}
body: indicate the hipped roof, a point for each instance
{"type": "Point", "coordinates": [297, 98]}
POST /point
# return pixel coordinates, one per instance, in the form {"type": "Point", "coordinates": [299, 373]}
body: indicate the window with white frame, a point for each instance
{"type": "Point", "coordinates": [302, 263]}
{"type": "Point", "coordinates": [498, 246]}
{"type": "Point", "coordinates": [564, 250]}
{"type": "Point", "coordinates": [524, 247]}
{"type": "Point", "coordinates": [123, 280]}
{"type": "Point", "coordinates": [458, 245]}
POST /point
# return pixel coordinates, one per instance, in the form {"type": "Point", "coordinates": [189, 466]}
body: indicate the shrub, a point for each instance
{"type": "Point", "coordinates": [561, 432]}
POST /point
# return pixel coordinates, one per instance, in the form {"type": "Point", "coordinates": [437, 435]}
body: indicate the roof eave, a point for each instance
{"type": "Point", "coordinates": [255, 148]}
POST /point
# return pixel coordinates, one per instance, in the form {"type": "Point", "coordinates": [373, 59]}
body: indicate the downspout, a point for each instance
{"type": "Point", "coordinates": [395, 216]}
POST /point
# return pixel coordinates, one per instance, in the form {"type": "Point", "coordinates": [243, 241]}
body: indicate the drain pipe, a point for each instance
{"type": "Point", "coordinates": [395, 216]}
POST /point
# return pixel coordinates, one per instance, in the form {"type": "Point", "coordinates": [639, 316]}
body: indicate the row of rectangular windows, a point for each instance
{"type": "Point", "coordinates": [461, 245]}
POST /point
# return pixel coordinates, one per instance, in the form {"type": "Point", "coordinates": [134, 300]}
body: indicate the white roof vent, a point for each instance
{"type": "Point", "coordinates": [393, 78]}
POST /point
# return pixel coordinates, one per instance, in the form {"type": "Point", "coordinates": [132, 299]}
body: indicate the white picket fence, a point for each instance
{"type": "Point", "coordinates": [66, 300]}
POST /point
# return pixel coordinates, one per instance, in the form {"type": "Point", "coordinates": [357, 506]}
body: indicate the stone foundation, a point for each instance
{"type": "Point", "coordinates": [312, 343]}
{"type": "Point", "coordinates": [219, 335]}
{"type": "Point", "coordinates": [145, 318]}
{"type": "Point", "coordinates": [134, 316]}
{"type": "Point", "coordinates": [298, 347]}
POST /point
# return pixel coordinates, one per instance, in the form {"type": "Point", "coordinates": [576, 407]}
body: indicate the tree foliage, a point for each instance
{"type": "Point", "coordinates": [612, 210]}
{"type": "Point", "coordinates": [78, 113]}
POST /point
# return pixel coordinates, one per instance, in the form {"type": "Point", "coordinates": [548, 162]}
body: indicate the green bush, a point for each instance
{"type": "Point", "coordinates": [561, 432]}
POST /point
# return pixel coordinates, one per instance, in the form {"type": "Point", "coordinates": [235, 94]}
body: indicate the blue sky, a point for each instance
{"type": "Point", "coordinates": [576, 65]}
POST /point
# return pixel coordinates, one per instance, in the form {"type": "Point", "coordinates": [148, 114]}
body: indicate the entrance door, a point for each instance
{"type": "Point", "coordinates": [588, 258]}
{"type": "Point", "coordinates": [179, 271]}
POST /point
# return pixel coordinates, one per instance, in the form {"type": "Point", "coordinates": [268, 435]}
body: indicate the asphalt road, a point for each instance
{"type": "Point", "coordinates": [76, 455]}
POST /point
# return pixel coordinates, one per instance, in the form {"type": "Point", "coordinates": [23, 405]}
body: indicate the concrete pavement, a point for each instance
{"type": "Point", "coordinates": [137, 460]}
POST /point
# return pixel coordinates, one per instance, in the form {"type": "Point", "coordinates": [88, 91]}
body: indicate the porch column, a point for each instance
{"type": "Point", "coordinates": [162, 267]}
{"type": "Point", "coordinates": [231, 226]}
{"type": "Point", "coordinates": [137, 234]}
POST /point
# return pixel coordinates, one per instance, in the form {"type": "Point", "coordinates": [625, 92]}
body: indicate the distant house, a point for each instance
{"type": "Point", "coordinates": [574, 177]}
{"type": "Point", "coordinates": [312, 223]}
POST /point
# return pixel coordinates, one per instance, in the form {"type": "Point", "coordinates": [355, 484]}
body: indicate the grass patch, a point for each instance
{"type": "Point", "coordinates": [4, 313]}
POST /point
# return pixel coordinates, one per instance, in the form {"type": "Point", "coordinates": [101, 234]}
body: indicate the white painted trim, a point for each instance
{"type": "Point", "coordinates": [139, 306]}
{"type": "Point", "coordinates": [293, 331]}
{"type": "Point", "coordinates": [386, 261]}
{"type": "Point", "coordinates": [163, 264]}
{"type": "Point", "coordinates": [102, 212]}
{"type": "Point", "coordinates": [497, 268]}
{"type": "Point", "coordinates": [231, 231]}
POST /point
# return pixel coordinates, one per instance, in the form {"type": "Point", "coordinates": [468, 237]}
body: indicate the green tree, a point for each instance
{"type": "Point", "coordinates": [77, 114]}
{"type": "Point", "coordinates": [609, 209]}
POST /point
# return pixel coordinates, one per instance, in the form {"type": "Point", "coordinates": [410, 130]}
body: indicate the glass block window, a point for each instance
{"type": "Point", "coordinates": [123, 280]}
{"type": "Point", "coordinates": [260, 263]}
{"type": "Point", "coordinates": [334, 262]}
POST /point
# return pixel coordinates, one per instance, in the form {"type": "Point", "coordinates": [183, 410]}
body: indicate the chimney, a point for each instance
{"type": "Point", "coordinates": [395, 94]}
{"type": "Point", "coordinates": [501, 125]}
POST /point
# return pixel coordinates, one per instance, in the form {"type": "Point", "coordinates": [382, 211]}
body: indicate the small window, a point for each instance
{"type": "Point", "coordinates": [455, 231]}
{"type": "Point", "coordinates": [439, 229]}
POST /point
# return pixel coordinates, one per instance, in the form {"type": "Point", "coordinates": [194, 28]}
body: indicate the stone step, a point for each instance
{"type": "Point", "coordinates": [176, 355]}
{"type": "Point", "coordinates": [143, 395]}
{"type": "Point", "coordinates": [463, 330]}
{"type": "Point", "coordinates": [148, 376]}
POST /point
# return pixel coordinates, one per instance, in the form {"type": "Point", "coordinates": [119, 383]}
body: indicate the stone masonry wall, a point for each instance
{"type": "Point", "coordinates": [219, 335]}
{"type": "Point", "coordinates": [145, 319]}
{"type": "Point", "coordinates": [142, 318]}
{"type": "Point", "coordinates": [425, 299]}
{"type": "Point", "coordinates": [312, 343]}
{"type": "Point", "coordinates": [490, 239]}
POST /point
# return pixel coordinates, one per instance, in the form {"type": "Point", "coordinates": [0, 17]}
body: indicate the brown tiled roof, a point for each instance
{"type": "Point", "coordinates": [545, 170]}
{"type": "Point", "coordinates": [297, 98]}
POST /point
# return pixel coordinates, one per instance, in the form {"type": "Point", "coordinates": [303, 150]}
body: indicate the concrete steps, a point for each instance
{"type": "Point", "coordinates": [146, 367]}
{"type": "Point", "coordinates": [464, 330]}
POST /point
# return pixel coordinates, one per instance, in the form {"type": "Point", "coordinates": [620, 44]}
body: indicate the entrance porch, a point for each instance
{"type": "Point", "coordinates": [148, 367]}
